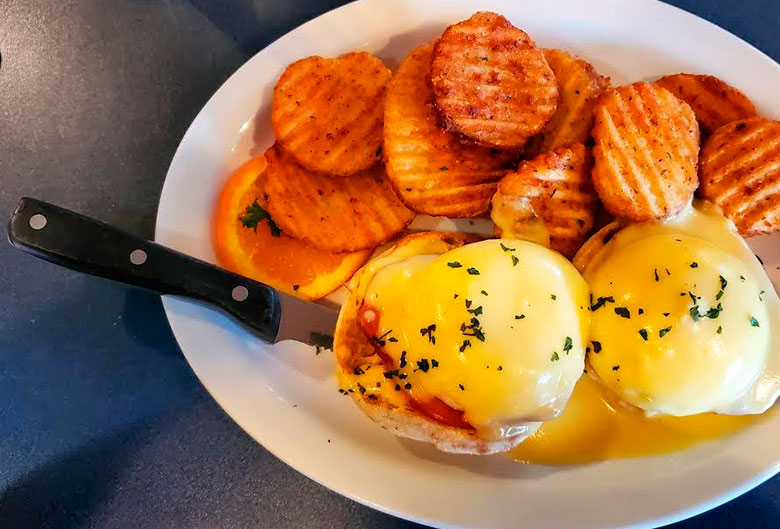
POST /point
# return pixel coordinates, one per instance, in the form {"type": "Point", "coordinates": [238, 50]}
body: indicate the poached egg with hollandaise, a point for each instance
{"type": "Point", "coordinates": [684, 318]}
{"type": "Point", "coordinates": [488, 336]}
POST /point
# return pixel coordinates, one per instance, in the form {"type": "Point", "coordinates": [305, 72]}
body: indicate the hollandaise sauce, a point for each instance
{"type": "Point", "coordinates": [595, 427]}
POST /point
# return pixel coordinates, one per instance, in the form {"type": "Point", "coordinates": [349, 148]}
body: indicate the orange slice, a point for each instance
{"type": "Point", "coordinates": [256, 248]}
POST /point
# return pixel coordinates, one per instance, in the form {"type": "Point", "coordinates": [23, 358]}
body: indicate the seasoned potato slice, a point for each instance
{"type": "Point", "coordinates": [740, 172]}
{"type": "Point", "coordinates": [336, 214]}
{"type": "Point", "coordinates": [327, 113]}
{"type": "Point", "coordinates": [491, 82]}
{"type": "Point", "coordinates": [554, 188]}
{"type": "Point", "coordinates": [646, 151]}
{"type": "Point", "coordinates": [714, 102]}
{"type": "Point", "coordinates": [579, 86]}
{"type": "Point", "coordinates": [435, 172]}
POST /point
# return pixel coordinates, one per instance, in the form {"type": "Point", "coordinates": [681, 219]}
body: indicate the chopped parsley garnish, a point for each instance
{"type": "Point", "coordinates": [596, 346]}
{"type": "Point", "coordinates": [600, 302]}
{"type": "Point", "coordinates": [694, 265]}
{"type": "Point", "coordinates": [694, 311]}
{"type": "Point", "coordinates": [655, 272]}
{"type": "Point", "coordinates": [741, 278]}
{"type": "Point", "coordinates": [643, 334]}
{"type": "Point", "coordinates": [466, 343]}
{"type": "Point", "coordinates": [434, 362]}
{"type": "Point", "coordinates": [615, 368]}
{"type": "Point", "coordinates": [357, 371]}
{"type": "Point", "coordinates": [567, 345]}
{"type": "Point", "coordinates": [455, 296]}
{"type": "Point", "coordinates": [506, 248]}
{"type": "Point", "coordinates": [468, 303]}
{"type": "Point", "coordinates": [666, 314]}
{"type": "Point", "coordinates": [623, 312]}
{"type": "Point", "coordinates": [476, 312]}
{"type": "Point", "coordinates": [515, 260]}
{"type": "Point", "coordinates": [723, 283]}
{"type": "Point", "coordinates": [753, 322]}
{"type": "Point", "coordinates": [444, 168]}
{"type": "Point", "coordinates": [402, 363]}
{"type": "Point", "coordinates": [714, 312]}
{"type": "Point", "coordinates": [641, 311]}
{"type": "Point", "coordinates": [392, 339]}
{"type": "Point", "coordinates": [720, 329]}
{"type": "Point", "coordinates": [422, 365]}
{"type": "Point", "coordinates": [380, 340]}
{"type": "Point", "coordinates": [296, 287]}
{"type": "Point", "coordinates": [553, 297]}
{"type": "Point", "coordinates": [554, 357]}
{"type": "Point", "coordinates": [483, 292]}
{"type": "Point", "coordinates": [500, 368]}
{"type": "Point", "coordinates": [428, 331]}
{"type": "Point", "coordinates": [667, 272]}
{"type": "Point", "coordinates": [454, 264]}
{"type": "Point", "coordinates": [361, 388]}
{"type": "Point", "coordinates": [663, 332]}
{"type": "Point", "coordinates": [519, 316]}
{"type": "Point", "coordinates": [761, 295]}
{"type": "Point", "coordinates": [472, 271]}
{"type": "Point", "coordinates": [407, 386]}
{"type": "Point", "coordinates": [461, 387]}
{"type": "Point", "coordinates": [694, 297]}
{"type": "Point", "coordinates": [254, 214]}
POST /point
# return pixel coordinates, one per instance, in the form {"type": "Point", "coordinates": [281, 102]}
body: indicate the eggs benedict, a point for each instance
{"type": "Point", "coordinates": [684, 318]}
{"type": "Point", "coordinates": [467, 346]}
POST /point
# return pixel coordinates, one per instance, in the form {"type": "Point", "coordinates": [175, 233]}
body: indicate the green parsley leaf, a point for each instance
{"type": "Point", "coordinates": [643, 334]}
{"type": "Point", "coordinates": [554, 357]}
{"type": "Point", "coordinates": [567, 345]}
{"type": "Point", "coordinates": [553, 297]}
{"type": "Point", "coordinates": [454, 264]}
{"type": "Point", "coordinates": [623, 312]}
{"type": "Point", "coordinates": [515, 260]}
{"type": "Point", "coordinates": [720, 329]}
{"type": "Point", "coordinates": [254, 214]}
{"type": "Point", "coordinates": [472, 271]}
{"type": "Point", "coordinates": [506, 248]}
{"type": "Point", "coordinates": [596, 346]}
{"type": "Point", "coordinates": [694, 265]}
{"type": "Point", "coordinates": [695, 313]}
{"type": "Point", "coordinates": [754, 322]}
{"type": "Point", "coordinates": [663, 332]}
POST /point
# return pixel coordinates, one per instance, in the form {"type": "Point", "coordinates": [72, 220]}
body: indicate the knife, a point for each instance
{"type": "Point", "coordinates": [74, 241]}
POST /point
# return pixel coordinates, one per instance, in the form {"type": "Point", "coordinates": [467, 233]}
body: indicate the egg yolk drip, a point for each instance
{"type": "Point", "coordinates": [595, 426]}
{"type": "Point", "coordinates": [495, 329]}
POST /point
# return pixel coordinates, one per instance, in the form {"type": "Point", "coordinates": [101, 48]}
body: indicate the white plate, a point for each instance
{"type": "Point", "coordinates": [285, 397]}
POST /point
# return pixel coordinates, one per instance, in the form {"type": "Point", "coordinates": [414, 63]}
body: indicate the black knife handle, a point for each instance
{"type": "Point", "coordinates": [87, 245]}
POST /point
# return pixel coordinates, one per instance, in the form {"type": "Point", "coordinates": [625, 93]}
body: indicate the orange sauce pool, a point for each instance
{"type": "Point", "coordinates": [593, 427]}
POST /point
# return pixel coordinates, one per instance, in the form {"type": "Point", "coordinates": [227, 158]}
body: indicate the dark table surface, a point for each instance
{"type": "Point", "coordinates": [102, 423]}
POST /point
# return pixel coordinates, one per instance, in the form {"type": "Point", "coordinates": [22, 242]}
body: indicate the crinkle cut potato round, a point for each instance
{"type": "Point", "coordinates": [557, 188]}
{"type": "Point", "coordinates": [433, 170]}
{"type": "Point", "coordinates": [714, 102]}
{"type": "Point", "coordinates": [645, 153]}
{"type": "Point", "coordinates": [335, 214]}
{"type": "Point", "coordinates": [327, 113]}
{"type": "Point", "coordinates": [393, 410]}
{"type": "Point", "coordinates": [579, 86]}
{"type": "Point", "coordinates": [740, 172]}
{"type": "Point", "coordinates": [492, 84]}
